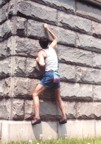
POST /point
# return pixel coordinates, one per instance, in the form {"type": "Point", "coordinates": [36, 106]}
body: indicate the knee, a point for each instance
{"type": "Point", "coordinates": [35, 94]}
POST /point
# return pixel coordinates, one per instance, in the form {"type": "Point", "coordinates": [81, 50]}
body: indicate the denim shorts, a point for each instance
{"type": "Point", "coordinates": [51, 79]}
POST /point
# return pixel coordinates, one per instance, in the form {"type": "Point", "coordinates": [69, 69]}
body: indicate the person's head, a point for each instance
{"type": "Point", "coordinates": [43, 41]}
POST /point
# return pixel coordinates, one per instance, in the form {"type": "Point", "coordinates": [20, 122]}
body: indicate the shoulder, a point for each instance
{"type": "Point", "coordinates": [42, 52]}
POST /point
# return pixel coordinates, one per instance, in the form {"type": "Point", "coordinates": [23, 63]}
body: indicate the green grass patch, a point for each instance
{"type": "Point", "coordinates": [60, 141]}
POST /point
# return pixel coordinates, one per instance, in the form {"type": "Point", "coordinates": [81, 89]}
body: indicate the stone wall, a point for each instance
{"type": "Point", "coordinates": [77, 26]}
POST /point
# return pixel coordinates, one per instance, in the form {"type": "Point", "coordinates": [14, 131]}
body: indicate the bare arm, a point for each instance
{"type": "Point", "coordinates": [41, 58]}
{"type": "Point", "coordinates": [55, 40]}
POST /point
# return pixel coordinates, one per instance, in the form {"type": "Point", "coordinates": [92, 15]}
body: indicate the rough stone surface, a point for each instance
{"type": "Point", "coordinates": [72, 55]}
{"type": "Point", "coordinates": [37, 11]}
{"type": "Point", "coordinates": [89, 110]}
{"type": "Point", "coordinates": [88, 11]}
{"type": "Point", "coordinates": [75, 22]}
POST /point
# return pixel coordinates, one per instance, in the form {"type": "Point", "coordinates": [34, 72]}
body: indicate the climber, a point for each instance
{"type": "Point", "coordinates": [47, 58]}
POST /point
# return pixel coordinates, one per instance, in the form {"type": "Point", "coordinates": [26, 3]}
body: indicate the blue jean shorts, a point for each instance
{"type": "Point", "coordinates": [51, 79]}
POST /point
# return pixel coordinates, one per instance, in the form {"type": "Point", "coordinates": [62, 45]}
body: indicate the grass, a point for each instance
{"type": "Point", "coordinates": [61, 141]}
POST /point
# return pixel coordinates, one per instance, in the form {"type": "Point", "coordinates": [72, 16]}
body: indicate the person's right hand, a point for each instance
{"type": "Point", "coordinates": [45, 26]}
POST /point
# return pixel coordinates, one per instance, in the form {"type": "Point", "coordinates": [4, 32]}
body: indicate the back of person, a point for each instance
{"type": "Point", "coordinates": [51, 60]}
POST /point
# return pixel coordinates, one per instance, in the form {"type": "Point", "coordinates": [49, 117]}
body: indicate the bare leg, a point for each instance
{"type": "Point", "coordinates": [40, 88]}
{"type": "Point", "coordinates": [60, 103]}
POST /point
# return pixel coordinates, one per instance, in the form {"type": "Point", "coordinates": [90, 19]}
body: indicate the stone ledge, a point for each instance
{"type": "Point", "coordinates": [24, 131]}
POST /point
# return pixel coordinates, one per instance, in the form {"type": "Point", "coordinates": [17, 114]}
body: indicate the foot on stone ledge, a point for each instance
{"type": "Point", "coordinates": [36, 121]}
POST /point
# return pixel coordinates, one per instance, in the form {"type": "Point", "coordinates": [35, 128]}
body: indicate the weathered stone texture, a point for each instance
{"type": "Point", "coordinates": [18, 109]}
{"type": "Point", "coordinates": [3, 14]}
{"type": "Point", "coordinates": [88, 11]}
{"type": "Point", "coordinates": [5, 109]}
{"type": "Point", "coordinates": [5, 68]}
{"type": "Point", "coordinates": [75, 22]}
{"type": "Point", "coordinates": [64, 5]}
{"type": "Point", "coordinates": [75, 56]}
{"type": "Point", "coordinates": [88, 75]}
{"type": "Point", "coordinates": [37, 11]}
{"type": "Point", "coordinates": [88, 42]}
{"type": "Point", "coordinates": [97, 92]}
{"type": "Point", "coordinates": [2, 2]}
{"type": "Point", "coordinates": [23, 87]}
{"type": "Point", "coordinates": [5, 87]}
{"type": "Point", "coordinates": [76, 91]}
{"type": "Point", "coordinates": [67, 72]}
{"type": "Point", "coordinates": [89, 110]}
{"type": "Point", "coordinates": [5, 31]}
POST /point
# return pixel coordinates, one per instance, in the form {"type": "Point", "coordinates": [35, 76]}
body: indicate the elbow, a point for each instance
{"type": "Point", "coordinates": [42, 64]}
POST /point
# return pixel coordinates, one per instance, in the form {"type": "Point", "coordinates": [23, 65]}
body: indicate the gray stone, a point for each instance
{"type": "Point", "coordinates": [88, 110]}
{"type": "Point", "coordinates": [29, 109]}
{"type": "Point", "coordinates": [75, 22]}
{"type": "Point", "coordinates": [5, 68]}
{"type": "Point", "coordinates": [18, 109]}
{"type": "Point", "coordinates": [77, 129]}
{"type": "Point", "coordinates": [75, 91]}
{"type": "Point", "coordinates": [5, 87]}
{"type": "Point", "coordinates": [20, 66]}
{"type": "Point", "coordinates": [2, 2]}
{"type": "Point", "coordinates": [5, 31]}
{"type": "Point", "coordinates": [64, 36]}
{"type": "Point", "coordinates": [88, 11]}
{"type": "Point", "coordinates": [29, 48]}
{"type": "Point", "coordinates": [4, 50]}
{"type": "Point", "coordinates": [88, 42]}
{"type": "Point", "coordinates": [67, 72]}
{"type": "Point", "coordinates": [3, 14]}
{"type": "Point", "coordinates": [75, 56]}
{"type": "Point", "coordinates": [34, 10]}
{"type": "Point", "coordinates": [96, 60]}
{"type": "Point", "coordinates": [88, 75]}
{"type": "Point", "coordinates": [97, 92]}
{"type": "Point", "coordinates": [23, 87]}
{"type": "Point", "coordinates": [96, 29]}
{"type": "Point", "coordinates": [5, 109]}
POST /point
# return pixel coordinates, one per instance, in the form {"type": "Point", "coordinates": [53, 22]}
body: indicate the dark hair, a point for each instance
{"type": "Point", "coordinates": [43, 41]}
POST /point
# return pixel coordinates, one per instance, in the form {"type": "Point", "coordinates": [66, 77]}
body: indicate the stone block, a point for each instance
{"type": "Point", "coordinates": [35, 29]}
{"type": "Point", "coordinates": [5, 31]}
{"type": "Point", "coordinates": [37, 11]}
{"type": "Point", "coordinates": [97, 128]}
{"type": "Point", "coordinates": [3, 15]}
{"type": "Point", "coordinates": [18, 131]}
{"type": "Point", "coordinates": [88, 75]}
{"type": "Point", "coordinates": [67, 72]}
{"type": "Point", "coordinates": [75, 91]}
{"type": "Point", "coordinates": [77, 129]}
{"type": "Point", "coordinates": [0, 129]}
{"type": "Point", "coordinates": [18, 109]}
{"type": "Point", "coordinates": [88, 11]}
{"type": "Point", "coordinates": [29, 109]}
{"type": "Point", "coordinates": [5, 107]}
{"type": "Point", "coordinates": [75, 22]}
{"type": "Point", "coordinates": [5, 68]}
{"type": "Point", "coordinates": [64, 5]}
{"type": "Point", "coordinates": [2, 2]}
{"type": "Point", "coordinates": [97, 92]}
{"type": "Point", "coordinates": [96, 29]}
{"type": "Point", "coordinates": [4, 50]}
{"type": "Point", "coordinates": [49, 130]}
{"type": "Point", "coordinates": [74, 56]}
{"type": "Point", "coordinates": [23, 87]}
{"type": "Point", "coordinates": [88, 42]}
{"type": "Point", "coordinates": [96, 60]}
{"type": "Point", "coordinates": [5, 87]}
{"type": "Point", "coordinates": [29, 48]}
{"type": "Point", "coordinates": [88, 110]}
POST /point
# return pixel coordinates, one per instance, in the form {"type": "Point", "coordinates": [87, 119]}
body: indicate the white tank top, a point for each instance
{"type": "Point", "coordinates": [51, 60]}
